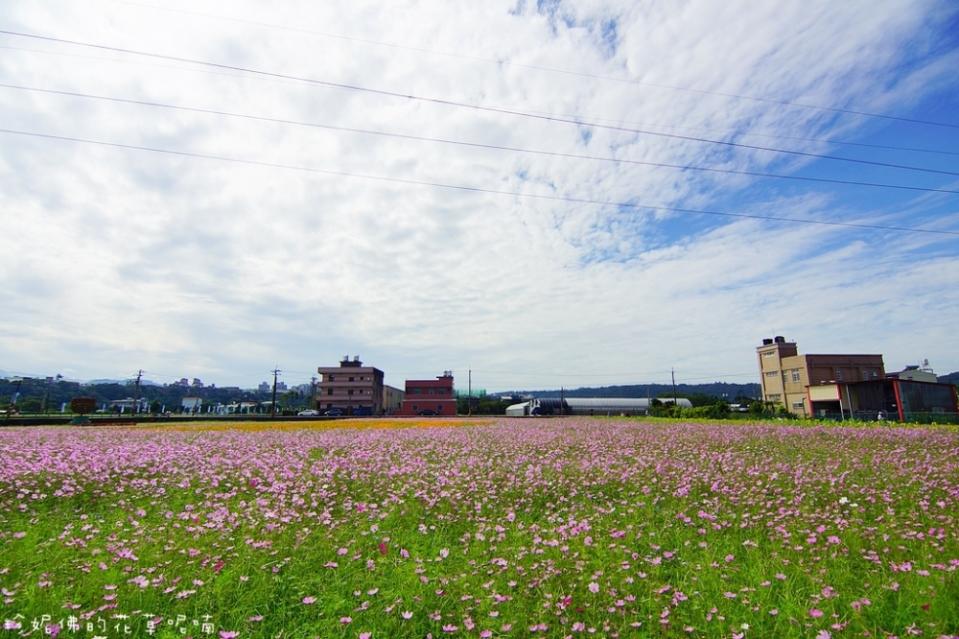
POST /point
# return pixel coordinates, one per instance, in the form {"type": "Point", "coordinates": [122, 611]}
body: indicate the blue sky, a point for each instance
{"type": "Point", "coordinates": [119, 260]}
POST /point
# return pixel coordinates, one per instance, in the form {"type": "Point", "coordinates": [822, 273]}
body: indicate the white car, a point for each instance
{"type": "Point", "coordinates": [309, 412]}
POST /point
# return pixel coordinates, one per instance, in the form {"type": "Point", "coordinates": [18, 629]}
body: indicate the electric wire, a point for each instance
{"type": "Point", "coordinates": [479, 145]}
{"type": "Point", "coordinates": [478, 107]}
{"type": "Point", "coordinates": [569, 72]}
{"type": "Point", "coordinates": [476, 189]}
{"type": "Point", "coordinates": [743, 134]}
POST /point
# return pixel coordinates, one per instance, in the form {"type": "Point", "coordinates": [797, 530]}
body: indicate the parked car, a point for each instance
{"type": "Point", "coordinates": [309, 412]}
{"type": "Point", "coordinates": [333, 412]}
{"type": "Point", "coordinates": [428, 413]}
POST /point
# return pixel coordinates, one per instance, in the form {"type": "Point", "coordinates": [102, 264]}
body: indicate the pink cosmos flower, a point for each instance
{"type": "Point", "coordinates": [815, 613]}
{"type": "Point", "coordinates": [229, 634]}
{"type": "Point", "coordinates": [346, 620]}
{"type": "Point", "coordinates": [309, 600]}
{"type": "Point", "coordinates": [593, 587]}
{"type": "Point", "coordinates": [366, 635]}
{"type": "Point", "coordinates": [824, 634]}
{"type": "Point", "coordinates": [406, 614]}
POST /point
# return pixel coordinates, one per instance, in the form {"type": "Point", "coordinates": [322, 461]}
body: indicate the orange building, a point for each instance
{"type": "Point", "coordinates": [430, 396]}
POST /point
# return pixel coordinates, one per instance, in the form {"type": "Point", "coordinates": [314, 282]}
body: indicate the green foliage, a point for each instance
{"type": "Point", "coordinates": [701, 517]}
{"type": "Point", "coordinates": [29, 405]}
{"type": "Point", "coordinates": [768, 409]}
{"type": "Point", "coordinates": [83, 405]}
{"type": "Point", "coordinates": [483, 405]}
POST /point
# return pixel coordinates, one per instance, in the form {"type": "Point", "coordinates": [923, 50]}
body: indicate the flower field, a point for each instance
{"type": "Point", "coordinates": [504, 528]}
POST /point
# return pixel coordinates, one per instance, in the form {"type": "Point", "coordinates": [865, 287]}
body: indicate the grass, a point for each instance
{"type": "Point", "coordinates": [481, 528]}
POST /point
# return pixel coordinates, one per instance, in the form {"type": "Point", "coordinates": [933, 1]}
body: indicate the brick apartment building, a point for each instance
{"type": "Point", "coordinates": [785, 374]}
{"type": "Point", "coordinates": [430, 396]}
{"type": "Point", "coordinates": [351, 387]}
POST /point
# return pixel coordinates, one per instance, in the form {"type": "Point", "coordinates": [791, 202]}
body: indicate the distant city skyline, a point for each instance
{"type": "Point", "coordinates": [576, 194]}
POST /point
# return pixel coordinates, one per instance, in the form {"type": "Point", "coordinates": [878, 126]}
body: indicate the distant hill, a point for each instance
{"type": "Point", "coordinates": [951, 378]}
{"type": "Point", "coordinates": [716, 389]}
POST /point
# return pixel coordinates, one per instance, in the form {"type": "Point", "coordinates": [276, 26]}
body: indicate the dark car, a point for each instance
{"type": "Point", "coordinates": [428, 413]}
{"type": "Point", "coordinates": [333, 412]}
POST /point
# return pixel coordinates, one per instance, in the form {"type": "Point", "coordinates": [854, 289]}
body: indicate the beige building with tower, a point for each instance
{"type": "Point", "coordinates": [788, 377]}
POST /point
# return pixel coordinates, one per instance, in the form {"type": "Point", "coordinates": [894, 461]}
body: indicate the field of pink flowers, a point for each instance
{"type": "Point", "coordinates": [544, 528]}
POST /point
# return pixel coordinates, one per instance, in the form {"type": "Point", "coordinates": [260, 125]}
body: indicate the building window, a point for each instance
{"type": "Point", "coordinates": [795, 375]}
{"type": "Point", "coordinates": [351, 379]}
{"type": "Point", "coordinates": [799, 405]}
{"type": "Point", "coordinates": [772, 373]}
{"type": "Point", "coordinates": [329, 391]}
{"type": "Point", "coordinates": [775, 397]}
{"type": "Point", "coordinates": [838, 374]}
{"type": "Point", "coordinates": [349, 392]}
{"type": "Point", "coordinates": [769, 353]}
{"type": "Point", "coordinates": [330, 377]}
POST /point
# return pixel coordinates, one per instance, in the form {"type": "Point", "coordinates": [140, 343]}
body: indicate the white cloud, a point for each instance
{"type": "Point", "coordinates": [125, 259]}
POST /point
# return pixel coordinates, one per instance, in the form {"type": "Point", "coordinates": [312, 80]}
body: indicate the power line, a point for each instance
{"type": "Point", "coordinates": [477, 107]}
{"type": "Point", "coordinates": [536, 67]}
{"type": "Point", "coordinates": [476, 189]}
{"type": "Point", "coordinates": [744, 134]}
{"type": "Point", "coordinates": [479, 145]}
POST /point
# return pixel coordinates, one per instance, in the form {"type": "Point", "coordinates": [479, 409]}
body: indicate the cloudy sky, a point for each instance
{"type": "Point", "coordinates": [294, 216]}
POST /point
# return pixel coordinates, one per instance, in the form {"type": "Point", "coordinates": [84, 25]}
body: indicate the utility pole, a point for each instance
{"type": "Point", "coordinates": [16, 393]}
{"type": "Point", "coordinates": [276, 371]}
{"type": "Point", "coordinates": [136, 395]}
{"type": "Point", "coordinates": [562, 400]}
{"type": "Point", "coordinates": [469, 392]}
{"type": "Point", "coordinates": [673, 373]}
{"type": "Point", "coordinates": [46, 392]}
{"type": "Point", "coordinates": [313, 403]}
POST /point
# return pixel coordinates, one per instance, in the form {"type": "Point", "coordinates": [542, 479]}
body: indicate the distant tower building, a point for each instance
{"type": "Point", "coordinates": [350, 387]}
{"type": "Point", "coordinates": [786, 375]}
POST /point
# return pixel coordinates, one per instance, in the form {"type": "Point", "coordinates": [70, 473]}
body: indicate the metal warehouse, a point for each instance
{"type": "Point", "coordinates": [589, 406]}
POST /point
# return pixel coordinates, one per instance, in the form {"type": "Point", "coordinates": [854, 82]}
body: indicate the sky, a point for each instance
{"type": "Point", "coordinates": [282, 232]}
